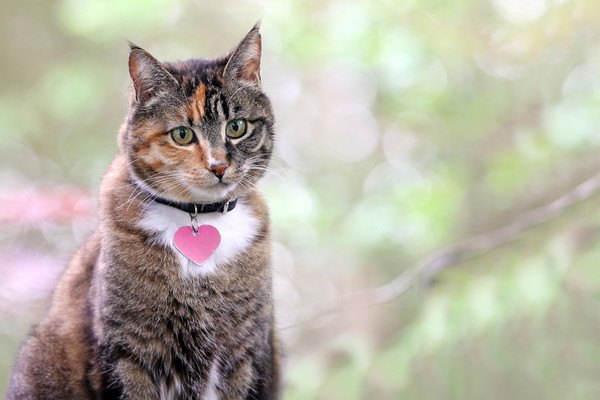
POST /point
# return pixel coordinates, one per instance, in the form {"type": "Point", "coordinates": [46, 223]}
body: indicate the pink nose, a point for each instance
{"type": "Point", "coordinates": [219, 169]}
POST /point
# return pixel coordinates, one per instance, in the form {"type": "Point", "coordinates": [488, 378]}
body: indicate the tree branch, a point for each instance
{"type": "Point", "coordinates": [434, 263]}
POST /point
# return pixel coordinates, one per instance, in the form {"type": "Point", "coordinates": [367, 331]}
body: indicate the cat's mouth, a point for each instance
{"type": "Point", "coordinates": [222, 182]}
{"type": "Point", "coordinates": [217, 191]}
{"type": "Point", "coordinates": [221, 185]}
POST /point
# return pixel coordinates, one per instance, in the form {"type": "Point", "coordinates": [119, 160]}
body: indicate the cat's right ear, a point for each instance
{"type": "Point", "coordinates": [148, 75]}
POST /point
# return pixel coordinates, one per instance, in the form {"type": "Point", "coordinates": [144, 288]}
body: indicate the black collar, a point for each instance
{"type": "Point", "coordinates": [192, 208]}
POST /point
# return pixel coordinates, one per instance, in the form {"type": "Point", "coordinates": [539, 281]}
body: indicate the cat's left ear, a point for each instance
{"type": "Point", "coordinates": [244, 61]}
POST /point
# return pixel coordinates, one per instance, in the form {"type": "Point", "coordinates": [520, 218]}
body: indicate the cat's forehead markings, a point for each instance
{"type": "Point", "coordinates": [197, 103]}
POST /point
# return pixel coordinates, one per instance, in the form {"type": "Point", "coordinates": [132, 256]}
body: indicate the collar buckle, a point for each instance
{"type": "Point", "coordinates": [226, 207]}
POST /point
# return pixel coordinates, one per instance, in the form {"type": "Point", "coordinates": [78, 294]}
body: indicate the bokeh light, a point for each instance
{"type": "Point", "coordinates": [411, 136]}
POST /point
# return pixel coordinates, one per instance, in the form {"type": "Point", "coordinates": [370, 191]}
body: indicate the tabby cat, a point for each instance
{"type": "Point", "coordinates": [171, 296]}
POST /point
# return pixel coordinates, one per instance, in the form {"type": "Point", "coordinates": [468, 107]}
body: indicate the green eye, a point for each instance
{"type": "Point", "coordinates": [182, 135]}
{"type": "Point", "coordinates": [236, 128]}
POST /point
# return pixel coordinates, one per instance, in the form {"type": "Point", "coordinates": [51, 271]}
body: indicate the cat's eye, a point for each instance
{"type": "Point", "coordinates": [236, 128]}
{"type": "Point", "coordinates": [182, 135]}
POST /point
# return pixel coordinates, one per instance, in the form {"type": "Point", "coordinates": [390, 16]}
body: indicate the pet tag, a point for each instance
{"type": "Point", "coordinates": [197, 246]}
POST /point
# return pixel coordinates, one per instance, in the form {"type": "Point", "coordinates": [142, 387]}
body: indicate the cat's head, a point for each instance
{"type": "Point", "coordinates": [198, 130]}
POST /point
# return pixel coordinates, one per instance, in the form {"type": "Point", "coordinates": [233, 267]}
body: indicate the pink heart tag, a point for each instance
{"type": "Point", "coordinates": [197, 248]}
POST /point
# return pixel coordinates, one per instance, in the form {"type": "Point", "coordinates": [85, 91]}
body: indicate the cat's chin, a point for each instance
{"type": "Point", "coordinates": [213, 194]}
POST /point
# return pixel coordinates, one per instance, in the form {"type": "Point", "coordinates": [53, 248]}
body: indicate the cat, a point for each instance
{"type": "Point", "coordinates": [133, 317]}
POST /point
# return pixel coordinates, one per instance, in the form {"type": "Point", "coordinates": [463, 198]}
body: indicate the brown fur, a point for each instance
{"type": "Point", "coordinates": [123, 323]}
{"type": "Point", "coordinates": [196, 109]}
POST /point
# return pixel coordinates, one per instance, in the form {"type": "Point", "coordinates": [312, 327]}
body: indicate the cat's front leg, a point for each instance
{"type": "Point", "coordinates": [236, 382]}
{"type": "Point", "coordinates": [249, 381]}
{"type": "Point", "coordinates": [134, 383]}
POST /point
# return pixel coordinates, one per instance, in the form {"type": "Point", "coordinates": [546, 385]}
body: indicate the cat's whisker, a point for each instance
{"type": "Point", "coordinates": [140, 190]}
{"type": "Point", "coordinates": [133, 161]}
{"type": "Point", "coordinates": [137, 188]}
{"type": "Point", "coordinates": [167, 189]}
{"type": "Point", "coordinates": [248, 186]}
{"type": "Point", "coordinates": [148, 200]}
{"type": "Point", "coordinates": [278, 163]}
{"type": "Point", "coordinates": [166, 182]}
{"type": "Point", "coordinates": [265, 169]}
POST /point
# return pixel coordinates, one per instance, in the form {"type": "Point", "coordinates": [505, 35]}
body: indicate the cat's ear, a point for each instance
{"type": "Point", "coordinates": [244, 61]}
{"type": "Point", "coordinates": [148, 75]}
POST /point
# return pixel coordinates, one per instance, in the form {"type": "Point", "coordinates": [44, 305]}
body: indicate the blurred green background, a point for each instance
{"type": "Point", "coordinates": [404, 127]}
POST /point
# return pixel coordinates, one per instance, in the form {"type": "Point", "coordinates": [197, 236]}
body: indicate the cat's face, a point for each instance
{"type": "Point", "coordinates": [198, 131]}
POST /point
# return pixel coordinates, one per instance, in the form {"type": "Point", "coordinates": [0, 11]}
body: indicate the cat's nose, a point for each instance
{"type": "Point", "coordinates": [218, 168]}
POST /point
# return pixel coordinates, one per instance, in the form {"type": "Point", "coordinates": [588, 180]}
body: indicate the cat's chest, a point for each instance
{"type": "Point", "coordinates": [237, 230]}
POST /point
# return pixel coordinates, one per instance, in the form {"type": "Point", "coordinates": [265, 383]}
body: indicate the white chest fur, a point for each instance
{"type": "Point", "coordinates": [171, 389]}
{"type": "Point", "coordinates": [237, 228]}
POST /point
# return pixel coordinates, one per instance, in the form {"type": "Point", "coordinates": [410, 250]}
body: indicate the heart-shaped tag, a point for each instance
{"type": "Point", "coordinates": [197, 247]}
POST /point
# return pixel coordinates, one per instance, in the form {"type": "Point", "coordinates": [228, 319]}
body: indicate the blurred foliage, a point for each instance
{"type": "Point", "coordinates": [403, 126]}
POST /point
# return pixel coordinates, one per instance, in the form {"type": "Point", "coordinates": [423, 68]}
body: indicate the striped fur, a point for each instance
{"type": "Point", "coordinates": [128, 320]}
